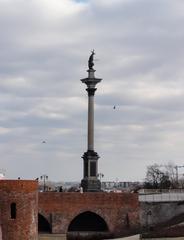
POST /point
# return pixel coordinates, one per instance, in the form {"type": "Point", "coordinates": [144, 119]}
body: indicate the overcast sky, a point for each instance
{"type": "Point", "coordinates": [44, 50]}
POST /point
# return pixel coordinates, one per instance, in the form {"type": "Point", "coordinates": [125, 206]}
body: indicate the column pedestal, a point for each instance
{"type": "Point", "coordinates": [90, 182]}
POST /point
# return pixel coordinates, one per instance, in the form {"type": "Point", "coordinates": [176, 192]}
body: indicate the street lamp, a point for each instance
{"type": "Point", "coordinates": [100, 175]}
{"type": "Point", "coordinates": [44, 177]}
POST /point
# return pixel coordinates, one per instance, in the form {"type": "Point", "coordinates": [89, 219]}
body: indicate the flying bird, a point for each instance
{"type": "Point", "coordinates": [114, 107]}
{"type": "Point", "coordinates": [43, 141]}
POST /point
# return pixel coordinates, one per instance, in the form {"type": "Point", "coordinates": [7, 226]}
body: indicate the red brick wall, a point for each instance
{"type": "Point", "coordinates": [61, 208]}
{"type": "Point", "coordinates": [24, 194]}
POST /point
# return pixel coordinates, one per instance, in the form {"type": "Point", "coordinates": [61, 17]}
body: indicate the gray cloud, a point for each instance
{"type": "Point", "coordinates": [44, 48]}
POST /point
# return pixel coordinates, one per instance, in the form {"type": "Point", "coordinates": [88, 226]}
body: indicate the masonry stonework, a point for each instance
{"type": "Point", "coordinates": [19, 209]}
{"type": "Point", "coordinates": [153, 214]}
{"type": "Point", "coordinates": [115, 208]}
{"type": "Point", "coordinates": [20, 204]}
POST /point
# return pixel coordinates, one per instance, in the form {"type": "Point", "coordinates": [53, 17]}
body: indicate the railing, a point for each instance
{"type": "Point", "coordinates": [157, 195]}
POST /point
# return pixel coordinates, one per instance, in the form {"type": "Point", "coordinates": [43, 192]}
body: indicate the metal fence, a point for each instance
{"type": "Point", "coordinates": [162, 196]}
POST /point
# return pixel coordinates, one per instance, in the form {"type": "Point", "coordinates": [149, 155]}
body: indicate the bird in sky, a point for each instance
{"type": "Point", "coordinates": [114, 107]}
{"type": "Point", "coordinates": [43, 141]}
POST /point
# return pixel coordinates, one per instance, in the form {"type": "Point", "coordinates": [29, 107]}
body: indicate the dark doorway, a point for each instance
{"type": "Point", "coordinates": [43, 225]}
{"type": "Point", "coordinates": [88, 221]}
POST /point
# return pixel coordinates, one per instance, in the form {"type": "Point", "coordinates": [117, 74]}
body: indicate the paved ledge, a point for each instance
{"type": "Point", "coordinates": [52, 237]}
{"type": "Point", "coordinates": [137, 237]}
{"type": "Point", "coordinates": [134, 237]}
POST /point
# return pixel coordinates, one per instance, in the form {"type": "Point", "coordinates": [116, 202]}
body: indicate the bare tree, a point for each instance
{"type": "Point", "coordinates": [155, 178]}
{"type": "Point", "coordinates": [171, 172]}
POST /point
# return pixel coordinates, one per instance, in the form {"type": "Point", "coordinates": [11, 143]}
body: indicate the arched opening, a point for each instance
{"type": "Point", "coordinates": [13, 210]}
{"type": "Point", "coordinates": [43, 224]}
{"type": "Point", "coordinates": [88, 221]}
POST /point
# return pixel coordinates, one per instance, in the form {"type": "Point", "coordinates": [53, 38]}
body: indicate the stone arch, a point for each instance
{"type": "Point", "coordinates": [88, 221]}
{"type": "Point", "coordinates": [43, 224]}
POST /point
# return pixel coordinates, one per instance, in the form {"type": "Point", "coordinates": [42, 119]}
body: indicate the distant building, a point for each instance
{"type": "Point", "coordinates": [120, 186]}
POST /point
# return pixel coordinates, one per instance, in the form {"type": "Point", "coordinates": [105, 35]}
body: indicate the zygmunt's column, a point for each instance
{"type": "Point", "coordinates": [90, 182]}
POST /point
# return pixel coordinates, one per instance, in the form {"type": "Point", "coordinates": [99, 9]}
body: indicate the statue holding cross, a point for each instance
{"type": "Point", "coordinates": [90, 61]}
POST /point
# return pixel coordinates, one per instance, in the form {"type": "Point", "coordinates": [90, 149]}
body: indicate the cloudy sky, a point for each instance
{"type": "Point", "coordinates": [44, 49]}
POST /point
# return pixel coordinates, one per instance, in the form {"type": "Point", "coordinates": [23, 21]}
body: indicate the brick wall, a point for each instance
{"type": "Point", "coordinates": [19, 223]}
{"type": "Point", "coordinates": [61, 208]}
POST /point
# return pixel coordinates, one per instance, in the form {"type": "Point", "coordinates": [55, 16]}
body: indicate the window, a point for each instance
{"type": "Point", "coordinates": [13, 211]}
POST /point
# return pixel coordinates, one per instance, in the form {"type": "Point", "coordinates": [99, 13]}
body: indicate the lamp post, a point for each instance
{"type": "Point", "coordinates": [44, 177]}
{"type": "Point", "coordinates": [100, 175]}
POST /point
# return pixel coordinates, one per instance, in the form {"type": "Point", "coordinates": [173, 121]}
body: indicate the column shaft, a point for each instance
{"type": "Point", "coordinates": [90, 122]}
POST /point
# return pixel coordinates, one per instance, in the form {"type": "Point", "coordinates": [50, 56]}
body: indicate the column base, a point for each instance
{"type": "Point", "coordinates": [90, 181]}
{"type": "Point", "coordinates": [91, 185]}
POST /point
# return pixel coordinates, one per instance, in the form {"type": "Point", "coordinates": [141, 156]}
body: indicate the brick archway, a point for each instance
{"type": "Point", "coordinates": [60, 209]}
{"type": "Point", "coordinates": [43, 224]}
{"type": "Point", "coordinates": [88, 221]}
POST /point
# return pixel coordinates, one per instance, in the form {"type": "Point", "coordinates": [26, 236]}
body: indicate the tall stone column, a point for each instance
{"type": "Point", "coordinates": [90, 181]}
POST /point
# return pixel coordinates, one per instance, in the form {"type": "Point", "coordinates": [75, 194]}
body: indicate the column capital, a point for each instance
{"type": "Point", "coordinates": [91, 91]}
{"type": "Point", "coordinates": [90, 154]}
